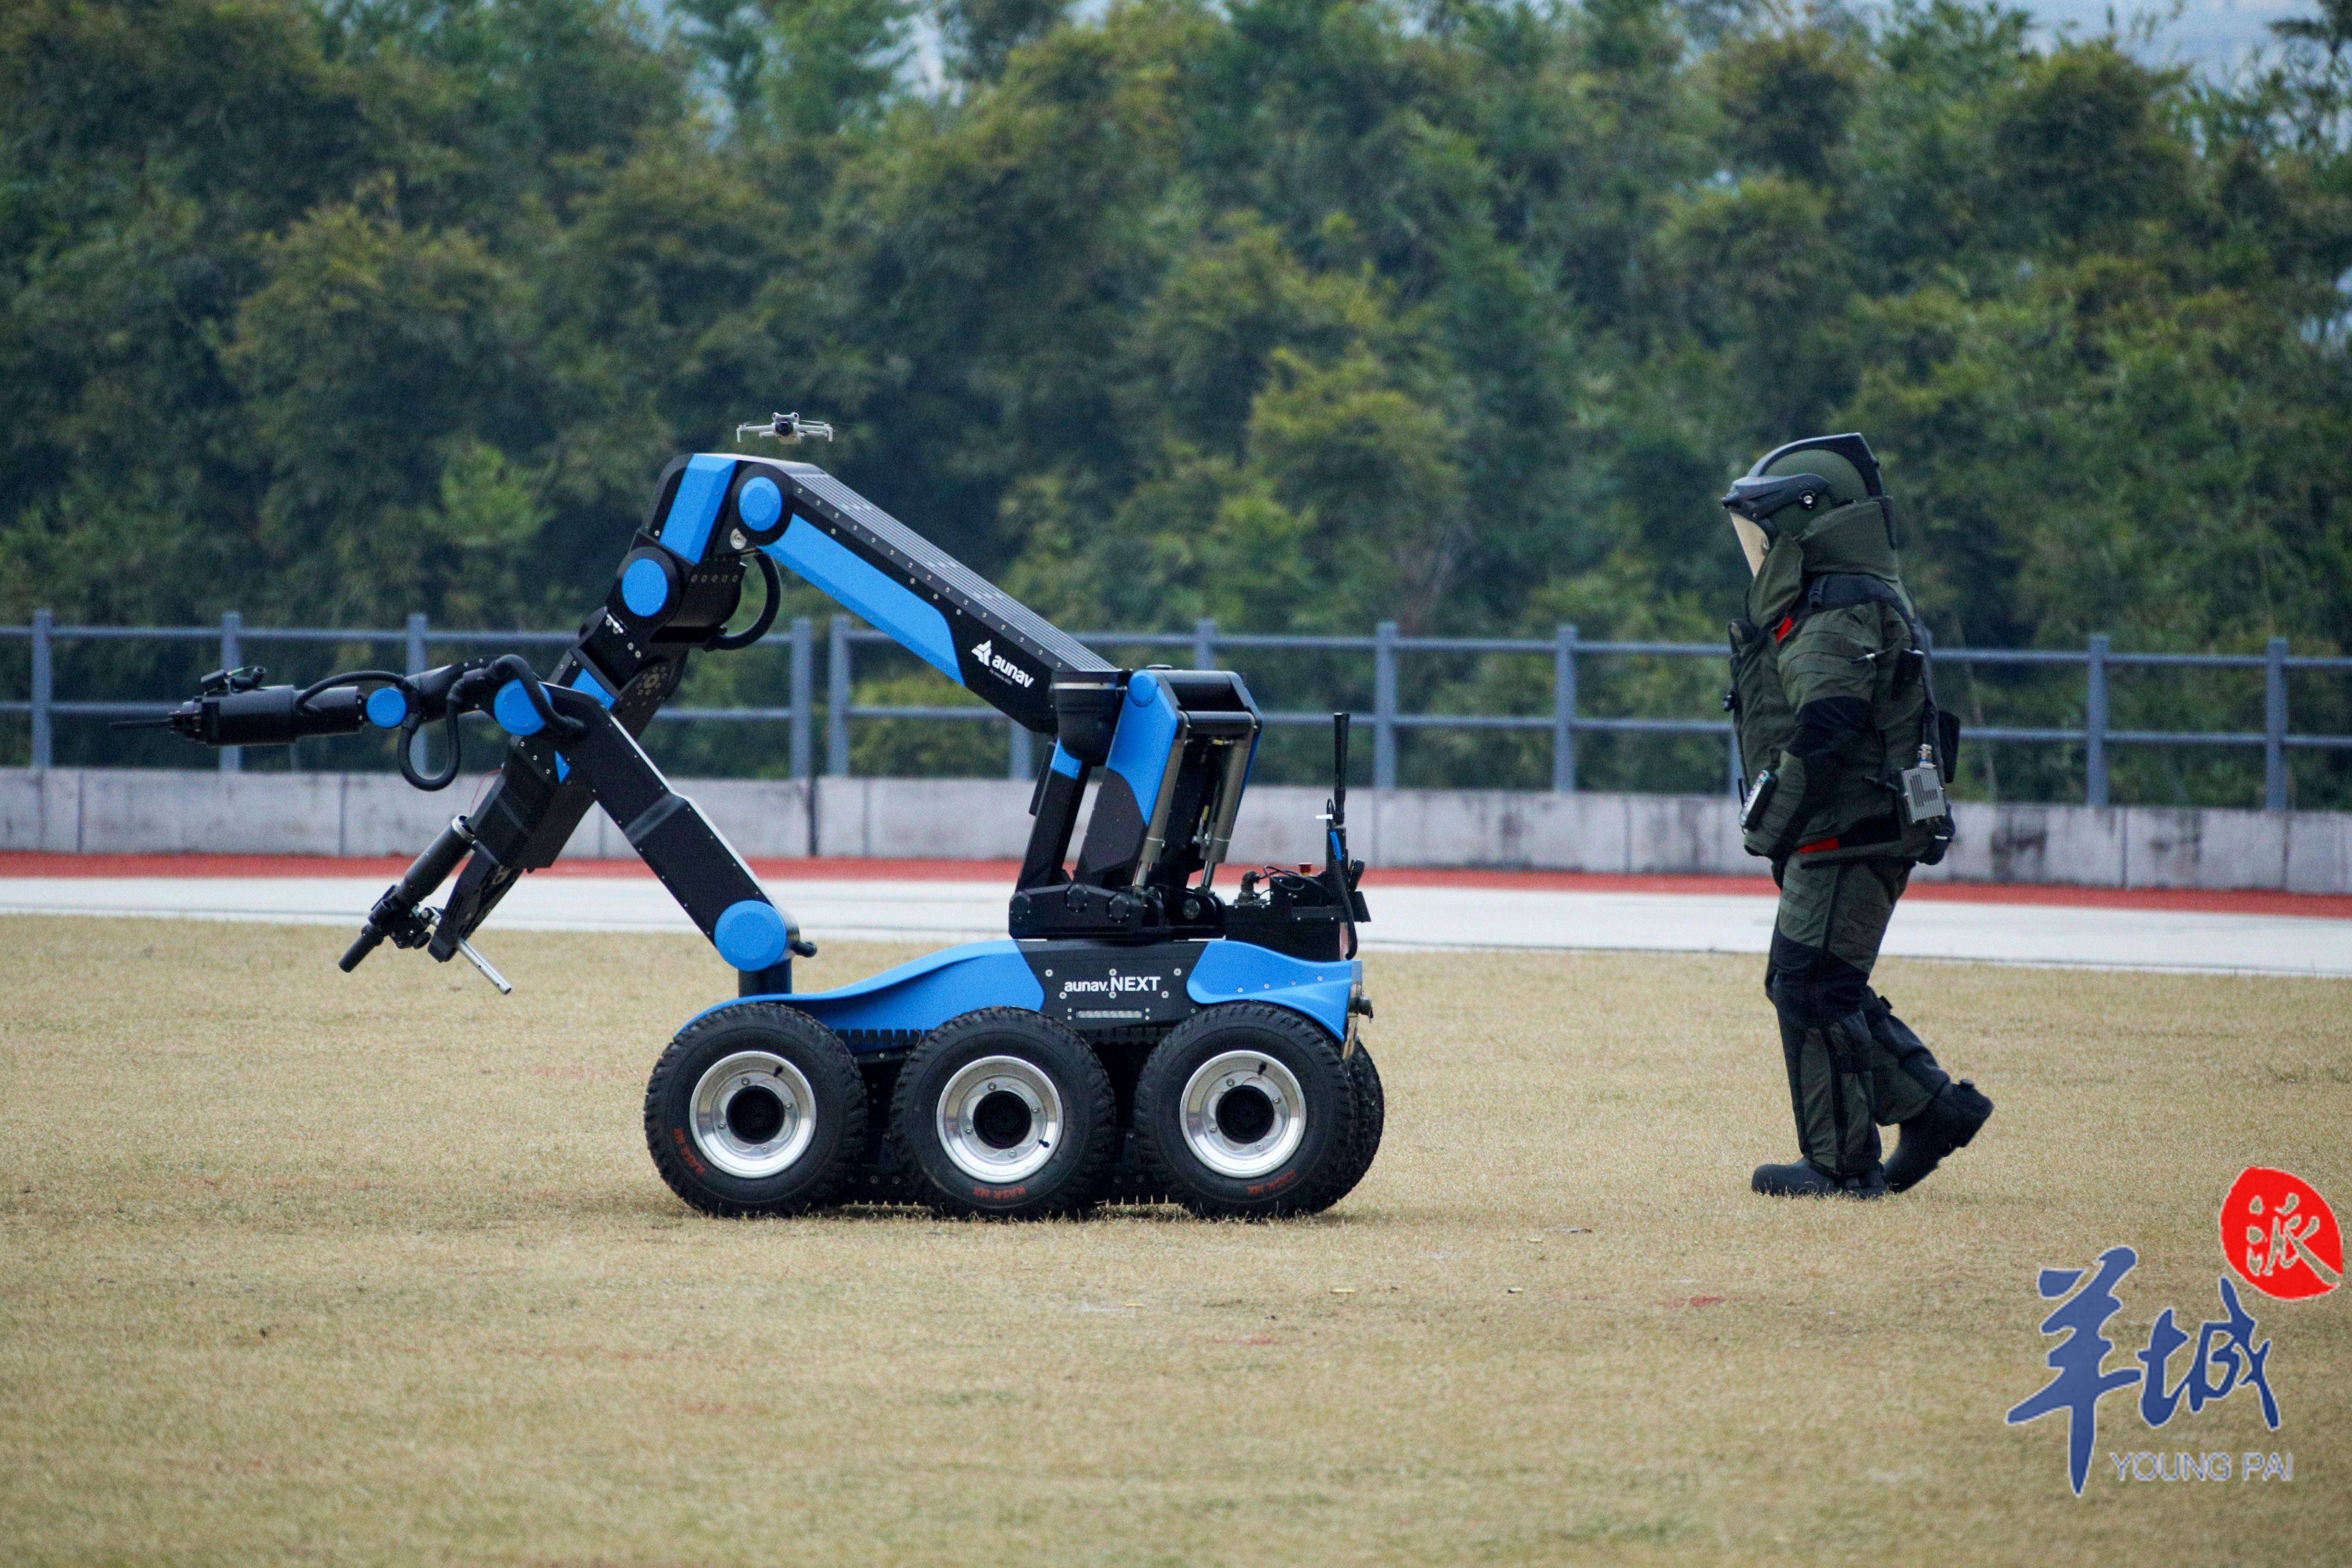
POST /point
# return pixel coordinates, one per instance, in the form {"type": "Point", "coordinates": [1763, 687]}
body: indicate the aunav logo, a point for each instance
{"type": "Point", "coordinates": [1113, 985]}
{"type": "Point", "coordinates": [988, 658]}
{"type": "Point", "coordinates": [2224, 1361]}
{"type": "Point", "coordinates": [2280, 1235]}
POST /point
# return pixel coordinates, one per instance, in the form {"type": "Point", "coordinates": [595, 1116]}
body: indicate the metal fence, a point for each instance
{"type": "Point", "coordinates": [1204, 644]}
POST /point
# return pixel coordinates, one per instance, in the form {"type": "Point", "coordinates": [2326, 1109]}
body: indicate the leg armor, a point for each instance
{"type": "Point", "coordinates": [1829, 1089]}
{"type": "Point", "coordinates": [1906, 1076]}
{"type": "Point", "coordinates": [1824, 942]}
{"type": "Point", "coordinates": [1938, 1114]}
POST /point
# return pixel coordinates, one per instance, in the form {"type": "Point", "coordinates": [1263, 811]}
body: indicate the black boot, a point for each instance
{"type": "Point", "coordinates": [1950, 1121]}
{"type": "Point", "coordinates": [1803, 1179]}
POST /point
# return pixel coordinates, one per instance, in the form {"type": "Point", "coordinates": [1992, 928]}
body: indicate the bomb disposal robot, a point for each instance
{"type": "Point", "coordinates": [1136, 1032]}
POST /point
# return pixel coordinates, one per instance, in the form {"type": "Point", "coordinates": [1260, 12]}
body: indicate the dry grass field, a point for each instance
{"type": "Point", "coordinates": [297, 1265]}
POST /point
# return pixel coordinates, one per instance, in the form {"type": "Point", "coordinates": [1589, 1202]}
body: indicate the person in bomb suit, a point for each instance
{"type": "Point", "coordinates": [1848, 755]}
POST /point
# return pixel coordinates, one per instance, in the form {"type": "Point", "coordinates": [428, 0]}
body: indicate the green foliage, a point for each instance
{"type": "Point", "coordinates": [1788, 100]}
{"type": "Point", "coordinates": [1296, 315]}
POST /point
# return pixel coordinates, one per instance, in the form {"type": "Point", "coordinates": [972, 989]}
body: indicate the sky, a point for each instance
{"type": "Point", "coordinates": [2215, 34]}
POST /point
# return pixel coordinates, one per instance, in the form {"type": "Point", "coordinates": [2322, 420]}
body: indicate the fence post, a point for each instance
{"type": "Point", "coordinates": [1563, 709]}
{"type": "Point", "coordinates": [2094, 724]}
{"type": "Point", "coordinates": [837, 700]}
{"type": "Point", "coordinates": [232, 758]}
{"type": "Point", "coordinates": [44, 621]}
{"type": "Point", "coordinates": [2275, 725]}
{"type": "Point", "coordinates": [803, 697]}
{"type": "Point", "coordinates": [1204, 644]}
{"type": "Point", "coordinates": [1019, 765]}
{"type": "Point", "coordinates": [1384, 705]}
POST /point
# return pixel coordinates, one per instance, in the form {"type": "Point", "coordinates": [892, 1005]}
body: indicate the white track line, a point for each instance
{"type": "Point", "coordinates": [1404, 918]}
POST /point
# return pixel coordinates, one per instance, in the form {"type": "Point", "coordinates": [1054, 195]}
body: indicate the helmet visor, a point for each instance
{"type": "Point", "coordinates": [1758, 499]}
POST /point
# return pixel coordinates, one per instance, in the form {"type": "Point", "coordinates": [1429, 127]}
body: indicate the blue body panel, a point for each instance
{"type": "Point", "coordinates": [1139, 747]}
{"type": "Point", "coordinates": [1231, 971]}
{"type": "Point", "coordinates": [922, 995]}
{"type": "Point", "coordinates": [694, 511]}
{"type": "Point", "coordinates": [927, 993]}
{"type": "Point", "coordinates": [887, 607]}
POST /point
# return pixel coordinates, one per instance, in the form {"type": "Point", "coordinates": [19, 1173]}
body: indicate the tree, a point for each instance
{"type": "Point", "coordinates": [1302, 315]}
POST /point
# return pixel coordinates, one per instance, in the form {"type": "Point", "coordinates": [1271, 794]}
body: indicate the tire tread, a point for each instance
{"type": "Point", "coordinates": [1322, 1186]}
{"type": "Point", "coordinates": [834, 1065]}
{"type": "Point", "coordinates": [1371, 1119]}
{"type": "Point", "coordinates": [1085, 1185]}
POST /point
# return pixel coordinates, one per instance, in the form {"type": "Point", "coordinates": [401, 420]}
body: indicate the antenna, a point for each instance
{"type": "Point", "coordinates": [1339, 770]}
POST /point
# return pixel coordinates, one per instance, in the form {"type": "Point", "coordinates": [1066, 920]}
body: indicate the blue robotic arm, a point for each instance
{"type": "Point", "coordinates": [1175, 746]}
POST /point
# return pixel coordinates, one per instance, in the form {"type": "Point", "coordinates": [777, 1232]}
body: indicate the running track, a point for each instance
{"type": "Point", "coordinates": [2282, 933]}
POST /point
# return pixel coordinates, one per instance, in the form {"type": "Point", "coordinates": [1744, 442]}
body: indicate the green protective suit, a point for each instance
{"type": "Point", "coordinates": [1840, 700]}
{"type": "Point", "coordinates": [1829, 699]}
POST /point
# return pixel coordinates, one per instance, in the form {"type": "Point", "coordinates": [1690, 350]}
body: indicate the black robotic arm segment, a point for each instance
{"type": "Point", "coordinates": [706, 878]}
{"type": "Point", "coordinates": [232, 708]}
{"type": "Point", "coordinates": [696, 866]}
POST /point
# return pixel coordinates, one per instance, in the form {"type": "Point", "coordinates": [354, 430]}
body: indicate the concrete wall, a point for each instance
{"type": "Point", "coordinates": [146, 811]}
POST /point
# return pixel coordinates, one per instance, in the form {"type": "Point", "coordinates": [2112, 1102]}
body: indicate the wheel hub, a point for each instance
{"type": "Point", "coordinates": [1243, 1114]}
{"type": "Point", "coordinates": [1000, 1119]}
{"type": "Point", "coordinates": [754, 1114]}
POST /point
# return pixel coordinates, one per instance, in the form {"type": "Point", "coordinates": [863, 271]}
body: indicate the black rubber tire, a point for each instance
{"type": "Point", "coordinates": [1075, 1174]}
{"type": "Point", "coordinates": [1371, 1117]}
{"type": "Point", "coordinates": [1317, 1173]}
{"type": "Point", "coordinates": [811, 1181]}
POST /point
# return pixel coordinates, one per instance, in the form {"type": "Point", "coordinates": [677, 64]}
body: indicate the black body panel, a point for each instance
{"type": "Point", "coordinates": [1102, 985]}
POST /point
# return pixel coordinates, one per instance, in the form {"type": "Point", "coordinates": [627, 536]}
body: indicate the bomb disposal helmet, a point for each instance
{"type": "Point", "coordinates": [1820, 471]}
